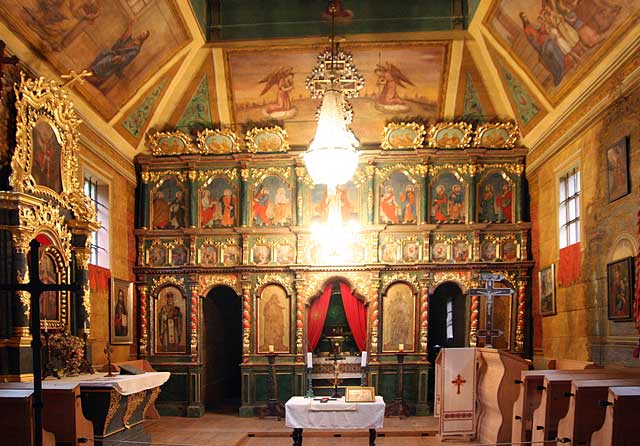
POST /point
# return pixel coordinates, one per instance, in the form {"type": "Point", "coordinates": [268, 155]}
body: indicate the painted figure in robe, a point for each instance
{"type": "Point", "coordinates": [120, 316]}
{"type": "Point", "coordinates": [160, 211]}
{"type": "Point", "coordinates": [389, 206]}
{"type": "Point", "coordinates": [170, 325]}
{"type": "Point", "coordinates": [260, 206]}
{"type": "Point", "coordinates": [440, 204]}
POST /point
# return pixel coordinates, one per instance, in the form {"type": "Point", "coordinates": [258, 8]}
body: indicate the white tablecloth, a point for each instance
{"type": "Point", "coordinates": [299, 414]}
{"type": "Point", "coordinates": [123, 384]}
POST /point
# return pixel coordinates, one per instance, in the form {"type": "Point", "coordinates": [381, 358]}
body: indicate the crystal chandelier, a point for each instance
{"type": "Point", "coordinates": [332, 157]}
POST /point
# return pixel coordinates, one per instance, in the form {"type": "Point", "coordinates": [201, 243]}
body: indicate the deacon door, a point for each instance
{"type": "Point", "coordinates": [223, 350]}
{"type": "Point", "coordinates": [447, 324]}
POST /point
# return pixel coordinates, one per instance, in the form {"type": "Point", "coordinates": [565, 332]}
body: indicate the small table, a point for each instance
{"type": "Point", "coordinates": [307, 413]}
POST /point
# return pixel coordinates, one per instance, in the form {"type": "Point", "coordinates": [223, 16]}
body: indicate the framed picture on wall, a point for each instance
{"type": "Point", "coordinates": [618, 169]}
{"type": "Point", "coordinates": [547, 290]}
{"type": "Point", "coordinates": [619, 289]}
{"type": "Point", "coordinates": [121, 312]}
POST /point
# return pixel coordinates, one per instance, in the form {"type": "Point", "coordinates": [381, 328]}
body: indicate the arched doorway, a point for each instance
{"type": "Point", "coordinates": [447, 325]}
{"type": "Point", "coordinates": [223, 350]}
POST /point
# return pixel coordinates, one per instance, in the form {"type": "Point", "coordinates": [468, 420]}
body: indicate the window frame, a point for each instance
{"type": "Point", "coordinates": [569, 204]}
{"type": "Point", "coordinates": [99, 192]}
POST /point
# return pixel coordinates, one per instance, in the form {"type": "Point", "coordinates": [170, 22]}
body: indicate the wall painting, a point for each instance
{"type": "Point", "coordinates": [170, 327]}
{"type": "Point", "coordinates": [449, 199]}
{"type": "Point", "coordinates": [168, 205]}
{"type": "Point", "coordinates": [398, 323]}
{"type": "Point", "coordinates": [349, 196]}
{"type": "Point", "coordinates": [495, 199]}
{"type": "Point", "coordinates": [218, 204]}
{"type": "Point", "coordinates": [273, 320]}
{"type": "Point", "coordinates": [272, 204]}
{"type": "Point", "coordinates": [399, 199]}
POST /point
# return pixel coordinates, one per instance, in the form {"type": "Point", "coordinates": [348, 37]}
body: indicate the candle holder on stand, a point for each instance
{"type": "Point", "coordinates": [310, 393]}
{"type": "Point", "coordinates": [49, 370]}
{"type": "Point", "coordinates": [274, 408]}
{"type": "Point", "coordinates": [398, 407]}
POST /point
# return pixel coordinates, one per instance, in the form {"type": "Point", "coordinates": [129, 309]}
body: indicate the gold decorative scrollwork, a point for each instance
{"type": "Point", "coordinates": [464, 169]}
{"type": "Point", "coordinates": [259, 174]}
{"type": "Point", "coordinates": [169, 143]}
{"type": "Point", "coordinates": [42, 102]}
{"type": "Point", "coordinates": [152, 399]}
{"type": "Point", "coordinates": [267, 139]}
{"type": "Point", "coordinates": [462, 278]}
{"type": "Point", "coordinates": [461, 139]}
{"type": "Point", "coordinates": [224, 141]}
{"type": "Point", "coordinates": [284, 280]}
{"type": "Point", "coordinates": [409, 278]}
{"type": "Point", "coordinates": [512, 168]}
{"type": "Point", "coordinates": [482, 138]}
{"type": "Point", "coordinates": [114, 401]}
{"type": "Point", "coordinates": [133, 403]}
{"type": "Point", "coordinates": [414, 170]}
{"type": "Point", "coordinates": [312, 283]}
{"type": "Point", "coordinates": [166, 280]}
{"type": "Point", "coordinates": [405, 135]}
{"type": "Point", "coordinates": [206, 282]}
{"type": "Point", "coordinates": [157, 175]}
{"type": "Point", "coordinates": [205, 175]}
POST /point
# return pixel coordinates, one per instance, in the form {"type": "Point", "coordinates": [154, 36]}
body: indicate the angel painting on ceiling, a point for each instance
{"type": "Point", "coordinates": [281, 107]}
{"type": "Point", "coordinates": [389, 80]}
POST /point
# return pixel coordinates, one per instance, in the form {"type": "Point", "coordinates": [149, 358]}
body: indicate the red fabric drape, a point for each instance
{"type": "Point", "coordinates": [317, 316]}
{"type": "Point", "coordinates": [569, 264]}
{"type": "Point", "coordinates": [99, 278]}
{"type": "Point", "coordinates": [356, 316]}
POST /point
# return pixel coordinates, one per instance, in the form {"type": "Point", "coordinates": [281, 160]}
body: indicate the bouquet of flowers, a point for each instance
{"type": "Point", "coordinates": [68, 350]}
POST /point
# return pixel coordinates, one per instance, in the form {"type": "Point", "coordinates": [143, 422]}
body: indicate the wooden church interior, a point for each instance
{"type": "Point", "coordinates": [485, 246]}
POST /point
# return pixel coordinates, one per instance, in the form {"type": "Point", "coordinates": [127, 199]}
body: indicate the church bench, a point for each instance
{"type": "Point", "coordinates": [554, 400]}
{"type": "Point", "coordinates": [621, 426]}
{"type": "Point", "coordinates": [16, 422]}
{"type": "Point", "coordinates": [585, 415]}
{"type": "Point", "coordinates": [530, 387]}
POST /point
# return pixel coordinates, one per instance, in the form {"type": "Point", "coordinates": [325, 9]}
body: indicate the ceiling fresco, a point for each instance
{"type": "Point", "coordinates": [270, 85]}
{"type": "Point", "coordinates": [556, 42]}
{"type": "Point", "coordinates": [123, 42]}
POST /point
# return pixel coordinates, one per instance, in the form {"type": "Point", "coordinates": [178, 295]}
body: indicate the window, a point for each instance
{"type": "Point", "coordinates": [98, 192]}
{"type": "Point", "coordinates": [569, 212]}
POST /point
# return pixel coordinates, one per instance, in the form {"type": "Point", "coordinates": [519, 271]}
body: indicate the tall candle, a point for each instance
{"type": "Point", "coordinates": [46, 330]}
{"type": "Point", "coordinates": [363, 361]}
{"type": "Point", "coordinates": [85, 325]}
{"type": "Point", "coordinates": [401, 347]}
{"type": "Point", "coordinates": [309, 360]}
{"type": "Point", "coordinates": [271, 349]}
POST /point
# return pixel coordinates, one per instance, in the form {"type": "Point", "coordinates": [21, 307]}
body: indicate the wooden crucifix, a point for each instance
{"type": "Point", "coordinates": [5, 60]}
{"type": "Point", "coordinates": [35, 287]}
{"type": "Point", "coordinates": [489, 291]}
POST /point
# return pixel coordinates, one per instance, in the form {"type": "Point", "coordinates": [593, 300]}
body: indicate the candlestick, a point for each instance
{"type": "Point", "coordinates": [363, 360]}
{"type": "Point", "coordinates": [271, 349]}
{"type": "Point", "coordinates": [46, 330]}
{"type": "Point", "coordinates": [400, 347]}
{"type": "Point", "coordinates": [309, 360]}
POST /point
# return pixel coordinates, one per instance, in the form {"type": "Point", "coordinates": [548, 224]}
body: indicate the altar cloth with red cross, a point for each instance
{"type": "Point", "coordinates": [456, 391]}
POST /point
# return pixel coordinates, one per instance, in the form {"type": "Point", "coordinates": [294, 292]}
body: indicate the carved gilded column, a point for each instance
{"type": "Point", "coordinates": [474, 320]}
{"type": "Point", "coordinates": [424, 184]}
{"type": "Point", "coordinates": [245, 194]}
{"type": "Point", "coordinates": [520, 316]}
{"type": "Point", "coordinates": [519, 193]}
{"type": "Point", "coordinates": [246, 321]}
{"type": "Point", "coordinates": [375, 315]}
{"type": "Point", "coordinates": [142, 314]}
{"type": "Point", "coordinates": [195, 322]}
{"type": "Point", "coordinates": [472, 194]}
{"type": "Point", "coordinates": [82, 255]}
{"type": "Point", "coordinates": [299, 330]}
{"type": "Point", "coordinates": [144, 203]}
{"type": "Point", "coordinates": [424, 318]}
{"type": "Point", "coordinates": [192, 175]}
{"type": "Point", "coordinates": [300, 174]}
{"type": "Point", "coordinates": [371, 213]}
{"type": "Point", "coordinates": [20, 301]}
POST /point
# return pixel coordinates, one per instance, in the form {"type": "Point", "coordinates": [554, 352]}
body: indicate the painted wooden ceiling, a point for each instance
{"type": "Point", "coordinates": [167, 64]}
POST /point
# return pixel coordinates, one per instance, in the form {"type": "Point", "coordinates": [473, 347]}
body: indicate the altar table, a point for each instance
{"type": "Point", "coordinates": [307, 413]}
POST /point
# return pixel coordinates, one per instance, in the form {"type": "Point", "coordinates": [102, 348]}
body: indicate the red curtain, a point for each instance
{"type": "Point", "coordinates": [569, 264]}
{"type": "Point", "coordinates": [356, 316]}
{"type": "Point", "coordinates": [99, 278]}
{"type": "Point", "coordinates": [317, 316]}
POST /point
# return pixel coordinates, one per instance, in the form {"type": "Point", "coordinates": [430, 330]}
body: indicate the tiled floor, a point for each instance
{"type": "Point", "coordinates": [229, 430]}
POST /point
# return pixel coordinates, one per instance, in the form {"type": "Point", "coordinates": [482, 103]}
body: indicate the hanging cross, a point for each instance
{"type": "Point", "coordinates": [5, 60]}
{"type": "Point", "coordinates": [75, 77]}
{"type": "Point", "coordinates": [489, 333]}
{"type": "Point", "coordinates": [35, 287]}
{"type": "Point", "coordinates": [458, 382]}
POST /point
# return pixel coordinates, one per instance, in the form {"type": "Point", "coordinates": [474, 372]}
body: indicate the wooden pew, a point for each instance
{"type": "Point", "coordinates": [496, 393]}
{"type": "Point", "coordinates": [16, 422]}
{"type": "Point", "coordinates": [61, 411]}
{"type": "Point", "coordinates": [530, 393]}
{"type": "Point", "coordinates": [621, 426]}
{"type": "Point", "coordinates": [570, 364]}
{"type": "Point", "coordinates": [585, 415]}
{"type": "Point", "coordinates": [554, 401]}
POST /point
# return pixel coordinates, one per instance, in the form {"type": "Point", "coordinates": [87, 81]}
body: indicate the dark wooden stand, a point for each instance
{"type": "Point", "coordinates": [297, 436]}
{"type": "Point", "coordinates": [398, 407]}
{"type": "Point", "coordinates": [49, 370]}
{"type": "Point", "coordinates": [274, 408]}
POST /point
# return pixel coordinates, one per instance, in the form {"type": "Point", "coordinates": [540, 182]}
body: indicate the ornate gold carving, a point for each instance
{"type": "Point", "coordinates": [414, 170]}
{"type": "Point", "coordinates": [284, 280]}
{"type": "Point", "coordinates": [208, 175]}
{"type": "Point", "coordinates": [267, 139]}
{"type": "Point", "coordinates": [513, 168]}
{"type": "Point", "coordinates": [223, 141]}
{"type": "Point", "coordinates": [456, 142]}
{"type": "Point", "coordinates": [144, 176]}
{"type": "Point", "coordinates": [169, 143]}
{"type": "Point", "coordinates": [461, 169]}
{"type": "Point", "coordinates": [166, 280]}
{"type": "Point", "coordinates": [39, 101]}
{"type": "Point", "coordinates": [260, 174]}
{"type": "Point", "coordinates": [114, 400]}
{"type": "Point", "coordinates": [152, 399]}
{"type": "Point", "coordinates": [405, 135]}
{"type": "Point", "coordinates": [133, 403]}
{"type": "Point", "coordinates": [462, 278]}
{"type": "Point", "coordinates": [157, 175]}
{"type": "Point", "coordinates": [409, 278]}
{"type": "Point", "coordinates": [482, 139]}
{"type": "Point", "coordinates": [208, 281]}
{"type": "Point", "coordinates": [359, 281]}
